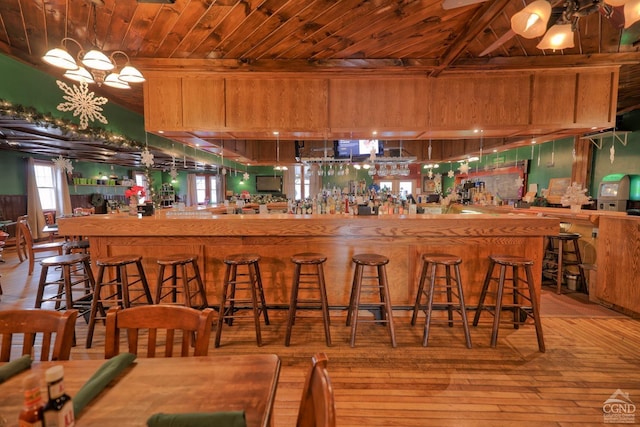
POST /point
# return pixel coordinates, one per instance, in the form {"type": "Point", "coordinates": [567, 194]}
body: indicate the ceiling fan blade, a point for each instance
{"type": "Point", "coordinates": [496, 44]}
{"type": "Point", "coordinates": [452, 4]}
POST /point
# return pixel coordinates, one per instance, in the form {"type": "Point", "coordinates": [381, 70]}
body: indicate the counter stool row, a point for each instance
{"type": "Point", "coordinates": [243, 289]}
{"type": "Point", "coordinates": [370, 278]}
{"type": "Point", "coordinates": [121, 281]}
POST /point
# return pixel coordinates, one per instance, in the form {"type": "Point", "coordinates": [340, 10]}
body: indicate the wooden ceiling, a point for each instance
{"type": "Point", "coordinates": [309, 36]}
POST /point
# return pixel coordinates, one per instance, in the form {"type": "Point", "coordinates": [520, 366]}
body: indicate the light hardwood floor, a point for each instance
{"type": "Point", "coordinates": [591, 353]}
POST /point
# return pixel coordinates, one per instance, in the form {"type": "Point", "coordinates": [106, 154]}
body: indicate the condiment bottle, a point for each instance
{"type": "Point", "coordinates": [58, 412]}
{"type": "Point", "coordinates": [32, 412]}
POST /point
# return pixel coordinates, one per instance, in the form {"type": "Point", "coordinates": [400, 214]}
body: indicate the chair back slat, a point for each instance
{"type": "Point", "coordinates": [50, 331]}
{"type": "Point", "coordinates": [160, 322]}
{"type": "Point", "coordinates": [317, 406]}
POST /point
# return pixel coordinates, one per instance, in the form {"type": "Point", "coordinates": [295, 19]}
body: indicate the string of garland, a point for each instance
{"type": "Point", "coordinates": [67, 127]}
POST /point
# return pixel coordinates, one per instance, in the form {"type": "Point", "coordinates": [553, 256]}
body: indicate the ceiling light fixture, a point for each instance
{"type": "Point", "coordinates": [537, 19]}
{"type": "Point", "coordinates": [532, 21]}
{"type": "Point", "coordinates": [277, 166]}
{"type": "Point", "coordinates": [96, 66]}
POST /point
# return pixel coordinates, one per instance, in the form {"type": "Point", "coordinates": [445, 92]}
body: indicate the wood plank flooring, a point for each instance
{"type": "Point", "coordinates": [590, 355]}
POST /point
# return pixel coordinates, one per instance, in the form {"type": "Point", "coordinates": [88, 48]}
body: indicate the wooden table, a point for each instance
{"type": "Point", "coordinates": [169, 385]}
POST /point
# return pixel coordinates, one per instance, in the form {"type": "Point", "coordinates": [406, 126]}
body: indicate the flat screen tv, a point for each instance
{"type": "Point", "coordinates": [268, 184]}
{"type": "Point", "coordinates": [346, 148]}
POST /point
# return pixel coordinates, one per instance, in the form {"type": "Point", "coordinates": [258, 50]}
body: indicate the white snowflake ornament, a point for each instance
{"type": "Point", "coordinates": [437, 178]}
{"type": "Point", "coordinates": [430, 174]}
{"type": "Point", "coordinates": [519, 182]}
{"type": "Point", "coordinates": [245, 176]}
{"type": "Point", "coordinates": [61, 163]}
{"type": "Point", "coordinates": [173, 172]}
{"type": "Point", "coordinates": [82, 103]}
{"type": "Point", "coordinates": [464, 168]}
{"type": "Point", "coordinates": [146, 157]}
{"type": "Point", "coordinates": [451, 173]}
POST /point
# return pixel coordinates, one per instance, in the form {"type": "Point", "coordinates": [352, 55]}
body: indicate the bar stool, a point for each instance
{"type": "Point", "coordinates": [250, 282]}
{"type": "Point", "coordinates": [124, 282]}
{"type": "Point", "coordinates": [183, 274]}
{"type": "Point", "coordinates": [314, 282]}
{"type": "Point", "coordinates": [563, 252]}
{"type": "Point", "coordinates": [441, 285]}
{"type": "Point", "coordinates": [75, 278]}
{"type": "Point", "coordinates": [379, 282]}
{"type": "Point", "coordinates": [520, 311]}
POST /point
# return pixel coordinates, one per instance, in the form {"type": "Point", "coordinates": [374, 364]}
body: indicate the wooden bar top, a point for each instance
{"type": "Point", "coordinates": [452, 225]}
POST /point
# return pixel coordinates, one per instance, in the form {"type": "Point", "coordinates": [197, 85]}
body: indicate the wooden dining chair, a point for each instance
{"type": "Point", "coordinates": [51, 331]}
{"type": "Point", "coordinates": [317, 407]}
{"type": "Point", "coordinates": [20, 243]}
{"type": "Point", "coordinates": [32, 248]}
{"type": "Point", "coordinates": [159, 323]}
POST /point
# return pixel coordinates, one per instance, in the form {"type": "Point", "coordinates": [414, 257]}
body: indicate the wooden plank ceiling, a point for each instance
{"type": "Point", "coordinates": [300, 36]}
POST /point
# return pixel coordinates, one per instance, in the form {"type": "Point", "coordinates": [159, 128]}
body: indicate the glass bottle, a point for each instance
{"type": "Point", "coordinates": [32, 412]}
{"type": "Point", "coordinates": [58, 412]}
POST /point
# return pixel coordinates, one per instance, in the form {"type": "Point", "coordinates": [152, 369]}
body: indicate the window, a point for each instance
{"type": "Point", "coordinates": [207, 189]}
{"type": "Point", "coordinates": [44, 182]}
{"type": "Point", "coordinates": [401, 188]}
{"type": "Point", "coordinates": [301, 183]}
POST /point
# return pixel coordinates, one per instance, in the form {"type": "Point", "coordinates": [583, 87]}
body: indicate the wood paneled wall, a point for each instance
{"type": "Point", "coordinates": [217, 102]}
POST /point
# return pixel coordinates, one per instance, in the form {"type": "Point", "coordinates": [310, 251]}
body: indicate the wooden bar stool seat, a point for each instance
{"type": "Point", "coordinates": [448, 284]}
{"type": "Point", "coordinates": [524, 299]}
{"type": "Point", "coordinates": [562, 255]}
{"type": "Point", "coordinates": [379, 284]}
{"type": "Point", "coordinates": [309, 282]}
{"type": "Point", "coordinates": [184, 279]}
{"type": "Point", "coordinates": [73, 288]}
{"type": "Point", "coordinates": [234, 293]}
{"type": "Point", "coordinates": [121, 282]}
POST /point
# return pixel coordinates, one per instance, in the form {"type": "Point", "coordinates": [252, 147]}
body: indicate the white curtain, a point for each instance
{"type": "Point", "coordinates": [63, 199]}
{"type": "Point", "coordinates": [192, 196]}
{"type": "Point", "coordinates": [289, 184]}
{"type": "Point", "coordinates": [34, 208]}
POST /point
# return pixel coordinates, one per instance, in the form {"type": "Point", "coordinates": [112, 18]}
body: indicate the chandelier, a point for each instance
{"type": "Point", "coordinates": [95, 66]}
{"type": "Point", "coordinates": [533, 20]}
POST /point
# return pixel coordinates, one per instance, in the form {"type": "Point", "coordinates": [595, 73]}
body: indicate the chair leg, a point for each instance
{"type": "Point", "coordinates": [263, 301]}
{"type": "Point", "coordinates": [498, 309]}
{"type": "Point", "coordinates": [431, 270]}
{"type": "Point", "coordinates": [463, 309]}
{"type": "Point", "coordinates": [223, 303]}
{"type": "Point", "coordinates": [253, 279]}
{"type": "Point", "coordinates": [382, 273]}
{"type": "Point", "coordinates": [416, 306]}
{"type": "Point", "coordinates": [352, 316]}
{"type": "Point", "coordinates": [325, 304]}
{"type": "Point", "coordinates": [292, 304]}
{"type": "Point", "coordinates": [535, 308]}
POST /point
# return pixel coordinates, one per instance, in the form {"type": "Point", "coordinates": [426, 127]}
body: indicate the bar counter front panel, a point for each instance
{"type": "Point", "coordinates": [276, 237]}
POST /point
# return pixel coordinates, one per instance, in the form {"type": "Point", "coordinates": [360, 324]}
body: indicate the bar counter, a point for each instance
{"type": "Point", "coordinates": [275, 237]}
